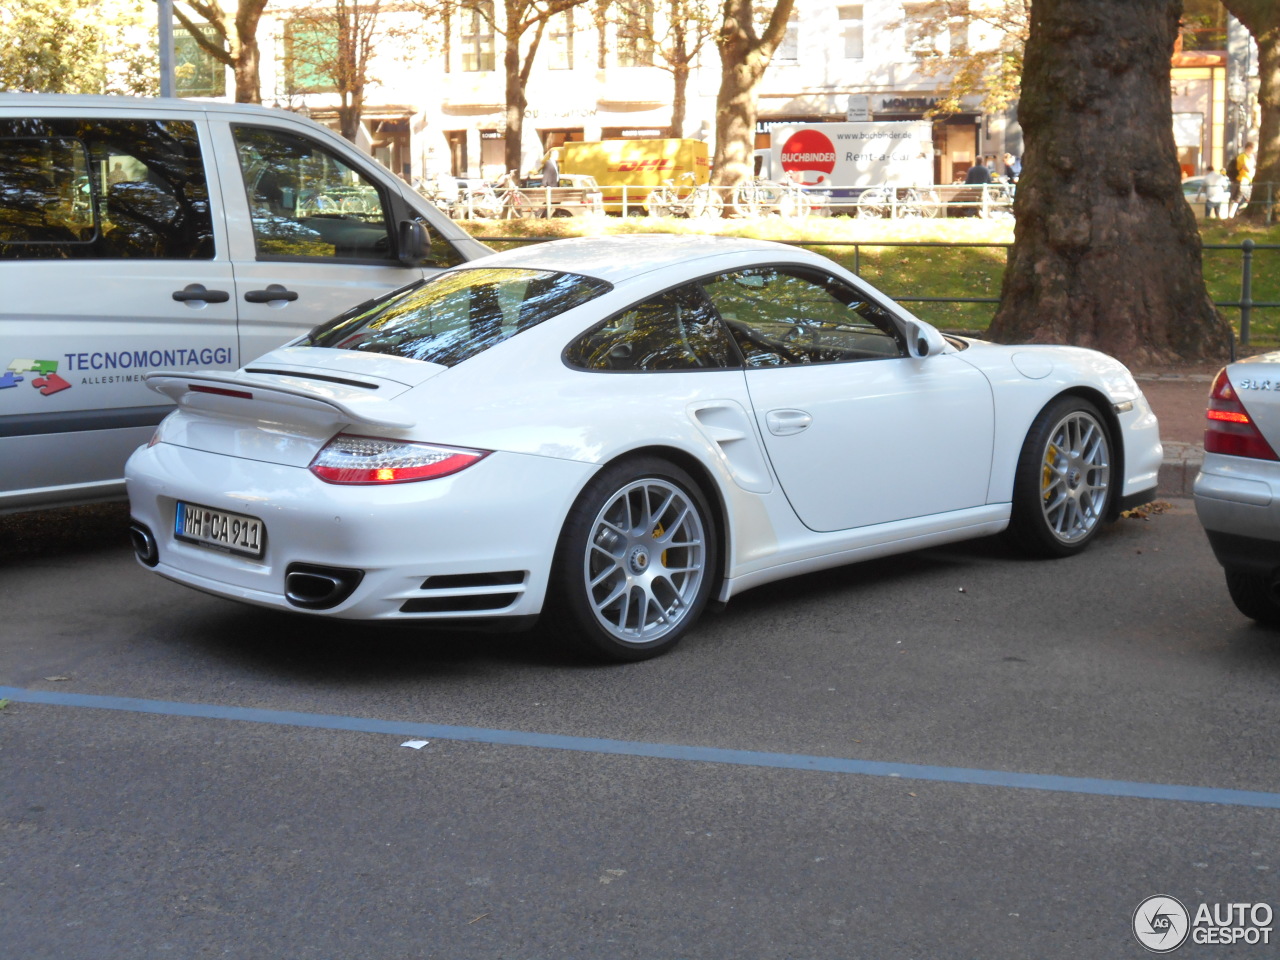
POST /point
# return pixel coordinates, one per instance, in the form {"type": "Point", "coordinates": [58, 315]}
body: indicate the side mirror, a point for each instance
{"type": "Point", "coordinates": [412, 245]}
{"type": "Point", "coordinates": [924, 340]}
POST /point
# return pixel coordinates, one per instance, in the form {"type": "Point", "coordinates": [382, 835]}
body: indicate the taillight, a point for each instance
{"type": "Point", "coordinates": [348, 458]}
{"type": "Point", "coordinates": [1231, 430]}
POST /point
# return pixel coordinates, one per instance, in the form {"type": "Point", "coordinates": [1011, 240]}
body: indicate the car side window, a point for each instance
{"type": "Point", "coordinates": [784, 316]}
{"type": "Point", "coordinates": [676, 330]}
{"type": "Point", "coordinates": [103, 189]}
{"type": "Point", "coordinates": [307, 204]}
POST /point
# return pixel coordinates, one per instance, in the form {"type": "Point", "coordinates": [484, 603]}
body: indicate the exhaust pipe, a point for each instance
{"type": "Point", "coordinates": [144, 544]}
{"type": "Point", "coordinates": [312, 586]}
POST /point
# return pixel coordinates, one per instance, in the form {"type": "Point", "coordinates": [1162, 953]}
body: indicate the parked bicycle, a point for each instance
{"type": "Point", "coordinates": [758, 197]}
{"type": "Point", "coordinates": [902, 203]}
{"type": "Point", "coordinates": [516, 204]}
{"type": "Point", "coordinates": [687, 200]}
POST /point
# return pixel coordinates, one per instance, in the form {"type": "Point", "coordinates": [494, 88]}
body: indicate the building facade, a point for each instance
{"type": "Point", "coordinates": [435, 103]}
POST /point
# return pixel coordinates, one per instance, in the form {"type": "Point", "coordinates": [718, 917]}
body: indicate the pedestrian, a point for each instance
{"type": "Point", "coordinates": [1215, 191]}
{"type": "Point", "coordinates": [1246, 165]}
{"type": "Point", "coordinates": [978, 173]}
{"type": "Point", "coordinates": [1012, 168]}
{"type": "Point", "coordinates": [551, 170]}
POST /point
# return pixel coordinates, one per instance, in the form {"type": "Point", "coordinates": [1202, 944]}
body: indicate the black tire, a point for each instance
{"type": "Point", "coordinates": [1252, 594]}
{"type": "Point", "coordinates": [617, 597]}
{"type": "Point", "coordinates": [1063, 484]}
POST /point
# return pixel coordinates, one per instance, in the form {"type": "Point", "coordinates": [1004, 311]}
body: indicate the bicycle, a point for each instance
{"type": "Point", "coordinates": [700, 200]}
{"type": "Point", "coordinates": [904, 203]}
{"type": "Point", "coordinates": [516, 205]}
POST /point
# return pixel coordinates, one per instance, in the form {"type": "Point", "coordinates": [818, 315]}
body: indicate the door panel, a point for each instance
{"type": "Point", "coordinates": [884, 439]}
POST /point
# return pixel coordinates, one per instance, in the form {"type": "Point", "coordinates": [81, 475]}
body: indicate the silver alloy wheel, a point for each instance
{"type": "Point", "coordinates": [645, 560]}
{"type": "Point", "coordinates": [1075, 476]}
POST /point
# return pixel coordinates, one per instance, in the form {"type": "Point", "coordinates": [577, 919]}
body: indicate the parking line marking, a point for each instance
{"type": "Point", "coordinates": [663, 751]}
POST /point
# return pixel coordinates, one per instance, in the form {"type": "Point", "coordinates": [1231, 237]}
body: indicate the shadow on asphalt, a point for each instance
{"type": "Point", "coordinates": [66, 530]}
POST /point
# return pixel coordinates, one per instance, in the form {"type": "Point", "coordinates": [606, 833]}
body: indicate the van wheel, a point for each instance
{"type": "Point", "coordinates": [635, 562]}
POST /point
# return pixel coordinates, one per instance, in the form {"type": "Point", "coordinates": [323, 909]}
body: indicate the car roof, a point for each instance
{"type": "Point", "coordinates": [88, 101]}
{"type": "Point", "coordinates": [619, 258]}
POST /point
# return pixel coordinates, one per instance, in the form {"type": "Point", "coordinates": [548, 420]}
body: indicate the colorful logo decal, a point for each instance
{"type": "Point", "coordinates": [809, 156]}
{"type": "Point", "coordinates": [48, 382]}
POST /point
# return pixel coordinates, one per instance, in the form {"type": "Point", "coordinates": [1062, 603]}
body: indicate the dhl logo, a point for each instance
{"type": "Point", "coordinates": [627, 166]}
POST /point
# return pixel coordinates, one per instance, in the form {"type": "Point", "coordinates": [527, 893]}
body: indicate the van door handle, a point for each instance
{"type": "Point", "coordinates": [273, 292]}
{"type": "Point", "coordinates": [786, 423]}
{"type": "Point", "coordinates": [196, 291]}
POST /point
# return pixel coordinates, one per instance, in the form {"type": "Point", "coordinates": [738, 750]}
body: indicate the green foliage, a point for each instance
{"type": "Point", "coordinates": [78, 46]}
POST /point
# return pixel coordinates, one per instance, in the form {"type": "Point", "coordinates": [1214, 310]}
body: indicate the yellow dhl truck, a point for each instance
{"type": "Point", "coordinates": [638, 165]}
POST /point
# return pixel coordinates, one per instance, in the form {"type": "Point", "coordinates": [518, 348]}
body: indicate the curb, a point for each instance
{"type": "Point", "coordinates": [1178, 472]}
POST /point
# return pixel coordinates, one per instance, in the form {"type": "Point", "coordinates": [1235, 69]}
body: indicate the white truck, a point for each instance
{"type": "Point", "coordinates": [833, 155]}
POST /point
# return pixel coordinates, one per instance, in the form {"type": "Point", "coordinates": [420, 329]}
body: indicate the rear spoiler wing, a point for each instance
{"type": "Point", "coordinates": [197, 390]}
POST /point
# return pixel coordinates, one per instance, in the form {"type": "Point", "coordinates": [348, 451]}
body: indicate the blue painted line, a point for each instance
{"type": "Point", "coordinates": [664, 751]}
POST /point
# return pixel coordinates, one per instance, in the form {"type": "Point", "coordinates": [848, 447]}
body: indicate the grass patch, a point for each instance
{"type": "Point", "coordinates": [905, 272]}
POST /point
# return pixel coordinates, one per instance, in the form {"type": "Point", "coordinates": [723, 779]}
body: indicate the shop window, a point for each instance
{"type": "Point", "coordinates": [196, 73]}
{"type": "Point", "coordinates": [311, 53]}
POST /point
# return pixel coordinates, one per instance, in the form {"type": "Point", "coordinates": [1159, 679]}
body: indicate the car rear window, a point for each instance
{"type": "Point", "coordinates": [458, 314]}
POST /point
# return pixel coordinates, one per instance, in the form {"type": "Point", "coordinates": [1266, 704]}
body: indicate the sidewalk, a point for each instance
{"type": "Point", "coordinates": [1179, 397]}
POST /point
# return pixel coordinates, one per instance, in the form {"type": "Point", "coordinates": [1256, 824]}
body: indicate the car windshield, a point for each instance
{"type": "Point", "coordinates": [458, 314]}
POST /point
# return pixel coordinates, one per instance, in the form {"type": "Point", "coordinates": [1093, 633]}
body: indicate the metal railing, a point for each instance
{"type": "Point", "coordinates": [1245, 304]}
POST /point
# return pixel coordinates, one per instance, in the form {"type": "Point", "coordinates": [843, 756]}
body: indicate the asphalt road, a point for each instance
{"type": "Point", "coordinates": [952, 754]}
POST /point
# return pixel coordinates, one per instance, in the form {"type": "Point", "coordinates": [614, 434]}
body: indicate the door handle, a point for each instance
{"type": "Point", "coordinates": [274, 292]}
{"type": "Point", "coordinates": [196, 291]}
{"type": "Point", "coordinates": [786, 423]}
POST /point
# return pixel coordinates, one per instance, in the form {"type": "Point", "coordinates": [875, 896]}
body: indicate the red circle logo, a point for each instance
{"type": "Point", "coordinates": [810, 154]}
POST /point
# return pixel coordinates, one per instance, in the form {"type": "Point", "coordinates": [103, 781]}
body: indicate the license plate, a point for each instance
{"type": "Point", "coordinates": [218, 528]}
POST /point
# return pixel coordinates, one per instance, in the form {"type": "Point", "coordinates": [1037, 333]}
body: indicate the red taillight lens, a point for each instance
{"type": "Point", "coordinates": [1231, 430]}
{"type": "Point", "coordinates": [348, 458]}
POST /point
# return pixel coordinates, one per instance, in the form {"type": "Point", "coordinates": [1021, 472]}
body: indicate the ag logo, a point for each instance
{"type": "Point", "coordinates": [1161, 924]}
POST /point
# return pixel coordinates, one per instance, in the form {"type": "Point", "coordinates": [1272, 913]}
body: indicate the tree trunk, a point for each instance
{"type": "Point", "coordinates": [248, 82]}
{"type": "Point", "coordinates": [744, 57]}
{"type": "Point", "coordinates": [679, 98]}
{"type": "Point", "coordinates": [1106, 251]}
{"type": "Point", "coordinates": [1262, 19]}
{"type": "Point", "coordinates": [516, 103]}
{"type": "Point", "coordinates": [246, 74]}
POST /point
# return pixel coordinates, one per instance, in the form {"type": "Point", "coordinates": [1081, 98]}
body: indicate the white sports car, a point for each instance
{"type": "Point", "coordinates": [618, 431]}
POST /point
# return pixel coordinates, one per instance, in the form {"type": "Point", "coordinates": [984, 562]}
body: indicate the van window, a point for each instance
{"type": "Point", "coordinates": [306, 203]}
{"type": "Point", "coordinates": [103, 189]}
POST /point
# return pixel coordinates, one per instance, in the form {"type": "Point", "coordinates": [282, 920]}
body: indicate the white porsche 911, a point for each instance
{"type": "Point", "coordinates": [617, 431]}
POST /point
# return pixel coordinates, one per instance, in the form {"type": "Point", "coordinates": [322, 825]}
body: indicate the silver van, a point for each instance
{"type": "Point", "coordinates": [141, 234]}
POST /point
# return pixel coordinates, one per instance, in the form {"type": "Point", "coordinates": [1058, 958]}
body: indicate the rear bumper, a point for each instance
{"type": "Point", "coordinates": [474, 546]}
{"type": "Point", "coordinates": [1238, 503]}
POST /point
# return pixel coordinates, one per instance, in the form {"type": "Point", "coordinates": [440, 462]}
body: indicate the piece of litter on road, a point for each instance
{"type": "Point", "coordinates": [57, 679]}
{"type": "Point", "coordinates": [416, 744]}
